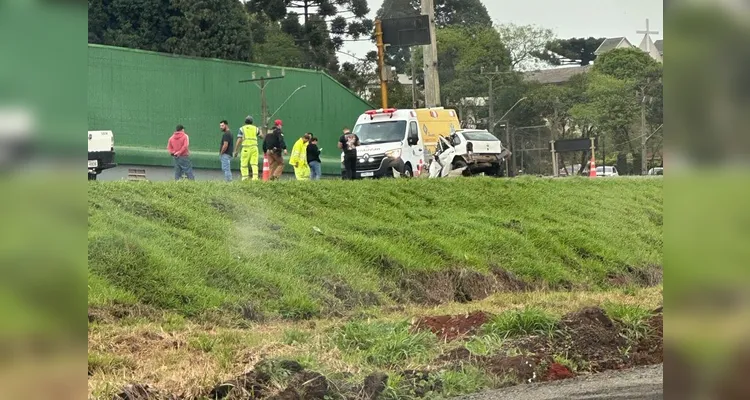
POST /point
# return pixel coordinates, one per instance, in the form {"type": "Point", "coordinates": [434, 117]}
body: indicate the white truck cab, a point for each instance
{"type": "Point", "coordinates": [101, 152]}
{"type": "Point", "coordinates": [393, 142]}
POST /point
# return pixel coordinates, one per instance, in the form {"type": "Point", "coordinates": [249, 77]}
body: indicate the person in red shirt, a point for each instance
{"type": "Point", "coordinates": [179, 148]}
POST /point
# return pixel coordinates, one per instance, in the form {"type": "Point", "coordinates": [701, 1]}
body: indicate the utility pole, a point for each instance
{"type": "Point", "coordinates": [262, 86]}
{"type": "Point", "coordinates": [644, 138]}
{"type": "Point", "coordinates": [491, 75]}
{"type": "Point", "coordinates": [413, 80]}
{"type": "Point", "coordinates": [381, 64]}
{"type": "Point", "coordinates": [431, 78]}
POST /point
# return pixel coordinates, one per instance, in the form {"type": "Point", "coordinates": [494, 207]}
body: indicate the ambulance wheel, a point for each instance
{"type": "Point", "coordinates": [408, 172]}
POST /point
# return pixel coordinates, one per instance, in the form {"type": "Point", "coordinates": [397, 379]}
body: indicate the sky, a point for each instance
{"type": "Point", "coordinates": [567, 18]}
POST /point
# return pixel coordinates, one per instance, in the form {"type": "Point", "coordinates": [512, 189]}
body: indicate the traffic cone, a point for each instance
{"type": "Point", "coordinates": [266, 168]}
{"type": "Point", "coordinates": [592, 168]}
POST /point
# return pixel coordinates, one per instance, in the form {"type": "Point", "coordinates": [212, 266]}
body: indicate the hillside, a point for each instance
{"type": "Point", "coordinates": [303, 249]}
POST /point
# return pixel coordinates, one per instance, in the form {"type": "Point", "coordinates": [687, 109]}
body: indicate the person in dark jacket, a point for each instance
{"type": "Point", "coordinates": [313, 159]}
{"type": "Point", "coordinates": [273, 146]}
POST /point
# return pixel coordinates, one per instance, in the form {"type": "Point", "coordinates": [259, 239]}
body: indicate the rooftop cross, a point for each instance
{"type": "Point", "coordinates": [648, 33]}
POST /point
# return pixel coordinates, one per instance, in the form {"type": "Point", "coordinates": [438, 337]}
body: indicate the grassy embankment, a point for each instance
{"type": "Point", "coordinates": [178, 272]}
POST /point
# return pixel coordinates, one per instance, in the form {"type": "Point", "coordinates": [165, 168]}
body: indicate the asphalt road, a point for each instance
{"type": "Point", "coordinates": [644, 383]}
{"type": "Point", "coordinates": [163, 174]}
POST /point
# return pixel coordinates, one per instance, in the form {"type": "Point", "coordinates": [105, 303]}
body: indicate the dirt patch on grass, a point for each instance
{"type": "Point", "coordinates": [556, 372]}
{"type": "Point", "coordinates": [650, 350]}
{"type": "Point", "coordinates": [460, 285]}
{"type": "Point", "coordinates": [452, 327]}
{"type": "Point", "coordinates": [348, 298]}
{"type": "Point", "coordinates": [593, 341]}
{"type": "Point", "coordinates": [594, 338]}
{"type": "Point", "coordinates": [649, 276]}
{"type": "Point", "coordinates": [114, 312]}
{"type": "Point", "coordinates": [458, 356]}
{"type": "Point", "coordinates": [514, 369]}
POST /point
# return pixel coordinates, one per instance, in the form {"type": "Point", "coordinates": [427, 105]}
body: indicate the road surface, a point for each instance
{"type": "Point", "coordinates": [644, 383]}
{"type": "Point", "coordinates": [164, 174]}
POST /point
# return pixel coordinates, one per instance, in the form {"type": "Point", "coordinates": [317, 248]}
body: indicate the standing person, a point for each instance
{"type": "Point", "coordinates": [298, 158]}
{"type": "Point", "coordinates": [247, 145]}
{"type": "Point", "coordinates": [226, 150]}
{"type": "Point", "coordinates": [313, 159]}
{"type": "Point", "coordinates": [179, 148]}
{"type": "Point", "coordinates": [348, 143]}
{"type": "Point", "coordinates": [273, 145]}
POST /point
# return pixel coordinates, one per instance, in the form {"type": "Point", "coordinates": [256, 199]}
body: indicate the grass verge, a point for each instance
{"type": "Point", "coordinates": [299, 250]}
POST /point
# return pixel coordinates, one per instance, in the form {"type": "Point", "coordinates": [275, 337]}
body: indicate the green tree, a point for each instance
{"type": "Point", "coordinates": [137, 24]}
{"type": "Point", "coordinates": [642, 76]}
{"type": "Point", "coordinates": [470, 13]}
{"type": "Point", "coordinates": [318, 26]}
{"type": "Point", "coordinates": [211, 28]}
{"type": "Point", "coordinates": [398, 96]}
{"type": "Point", "coordinates": [525, 44]}
{"type": "Point", "coordinates": [203, 28]}
{"type": "Point", "coordinates": [463, 52]}
{"type": "Point", "coordinates": [578, 49]}
{"type": "Point", "coordinates": [630, 64]}
{"type": "Point", "coordinates": [277, 48]}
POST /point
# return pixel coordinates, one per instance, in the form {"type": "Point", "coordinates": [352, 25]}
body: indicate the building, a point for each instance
{"type": "Point", "coordinates": [611, 44]}
{"type": "Point", "coordinates": [561, 75]}
{"type": "Point", "coordinates": [555, 76]}
{"type": "Point", "coordinates": [654, 49]}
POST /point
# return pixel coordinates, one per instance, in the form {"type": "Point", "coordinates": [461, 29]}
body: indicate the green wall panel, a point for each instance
{"type": "Point", "coordinates": [141, 96]}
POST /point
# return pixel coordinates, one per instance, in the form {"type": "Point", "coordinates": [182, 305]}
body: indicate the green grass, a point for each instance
{"type": "Point", "coordinates": [208, 247]}
{"type": "Point", "coordinates": [466, 380]}
{"type": "Point", "coordinates": [484, 345]}
{"type": "Point", "coordinates": [633, 317]}
{"type": "Point", "coordinates": [528, 321]}
{"type": "Point", "coordinates": [385, 344]}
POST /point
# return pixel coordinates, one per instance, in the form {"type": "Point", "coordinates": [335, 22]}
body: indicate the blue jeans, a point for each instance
{"type": "Point", "coordinates": [183, 165]}
{"type": "Point", "coordinates": [315, 171]}
{"type": "Point", "coordinates": [226, 161]}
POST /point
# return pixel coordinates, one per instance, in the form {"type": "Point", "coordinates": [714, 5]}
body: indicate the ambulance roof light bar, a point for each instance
{"type": "Point", "coordinates": [388, 111]}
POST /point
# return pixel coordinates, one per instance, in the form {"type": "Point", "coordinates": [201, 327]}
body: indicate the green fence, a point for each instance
{"type": "Point", "coordinates": [141, 96]}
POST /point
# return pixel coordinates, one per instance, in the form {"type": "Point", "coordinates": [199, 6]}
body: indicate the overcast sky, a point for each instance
{"type": "Point", "coordinates": [567, 18]}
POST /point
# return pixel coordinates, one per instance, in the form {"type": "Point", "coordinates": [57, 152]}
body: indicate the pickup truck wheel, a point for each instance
{"type": "Point", "coordinates": [496, 170]}
{"type": "Point", "coordinates": [459, 163]}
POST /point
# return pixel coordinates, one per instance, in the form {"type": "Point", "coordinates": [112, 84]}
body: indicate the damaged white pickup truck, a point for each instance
{"type": "Point", "coordinates": [468, 152]}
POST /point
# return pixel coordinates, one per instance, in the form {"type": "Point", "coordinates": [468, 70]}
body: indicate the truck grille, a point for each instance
{"type": "Point", "coordinates": [373, 163]}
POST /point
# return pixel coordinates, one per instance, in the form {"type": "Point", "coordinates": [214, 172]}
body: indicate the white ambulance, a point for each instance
{"type": "Point", "coordinates": [400, 140]}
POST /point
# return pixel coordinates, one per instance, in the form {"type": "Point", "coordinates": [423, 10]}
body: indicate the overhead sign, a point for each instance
{"type": "Point", "coordinates": [406, 31]}
{"type": "Point", "coordinates": [566, 145]}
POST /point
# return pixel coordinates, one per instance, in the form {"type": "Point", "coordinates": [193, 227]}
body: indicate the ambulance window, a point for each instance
{"type": "Point", "coordinates": [413, 129]}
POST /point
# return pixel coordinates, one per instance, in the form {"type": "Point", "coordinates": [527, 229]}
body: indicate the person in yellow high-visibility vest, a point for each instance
{"type": "Point", "coordinates": [247, 146]}
{"type": "Point", "coordinates": [298, 158]}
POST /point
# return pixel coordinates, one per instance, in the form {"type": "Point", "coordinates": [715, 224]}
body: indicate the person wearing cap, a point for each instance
{"type": "Point", "coordinates": [273, 146]}
{"type": "Point", "coordinates": [247, 146]}
{"type": "Point", "coordinates": [298, 159]}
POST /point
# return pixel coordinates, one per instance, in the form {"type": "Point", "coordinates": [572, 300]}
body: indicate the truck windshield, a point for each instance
{"type": "Point", "coordinates": [381, 132]}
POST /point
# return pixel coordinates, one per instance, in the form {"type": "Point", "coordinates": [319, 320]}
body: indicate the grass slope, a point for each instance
{"type": "Point", "coordinates": [299, 249]}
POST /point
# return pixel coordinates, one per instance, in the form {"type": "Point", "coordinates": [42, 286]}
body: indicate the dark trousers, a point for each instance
{"type": "Point", "coordinates": [350, 166]}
